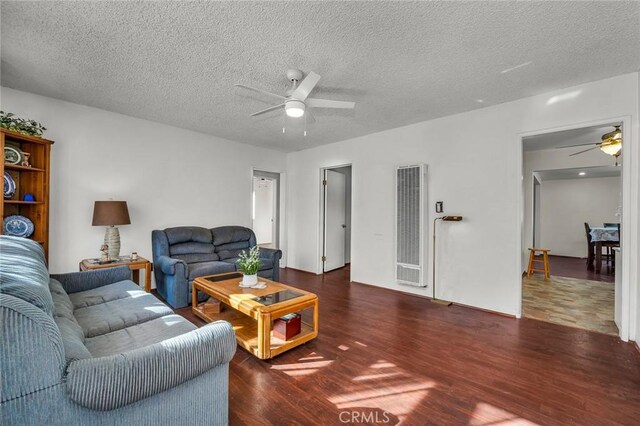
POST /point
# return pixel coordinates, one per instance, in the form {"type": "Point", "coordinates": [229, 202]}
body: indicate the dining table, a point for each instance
{"type": "Point", "coordinates": [601, 237]}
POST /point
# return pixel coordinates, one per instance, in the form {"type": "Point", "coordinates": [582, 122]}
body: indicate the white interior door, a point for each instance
{"type": "Point", "coordinates": [334, 220]}
{"type": "Point", "coordinates": [263, 210]}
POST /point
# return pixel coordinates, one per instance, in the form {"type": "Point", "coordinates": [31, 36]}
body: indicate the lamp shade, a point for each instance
{"type": "Point", "coordinates": [110, 213]}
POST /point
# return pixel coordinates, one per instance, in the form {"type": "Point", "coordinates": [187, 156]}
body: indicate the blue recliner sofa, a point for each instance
{"type": "Point", "coordinates": [184, 253]}
{"type": "Point", "coordinates": [93, 348]}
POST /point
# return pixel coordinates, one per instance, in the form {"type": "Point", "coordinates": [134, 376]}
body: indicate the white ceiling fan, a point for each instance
{"type": "Point", "coordinates": [611, 144]}
{"type": "Point", "coordinates": [296, 101]}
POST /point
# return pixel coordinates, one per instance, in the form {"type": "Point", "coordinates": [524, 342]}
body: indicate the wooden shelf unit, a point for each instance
{"type": "Point", "coordinates": [29, 180]}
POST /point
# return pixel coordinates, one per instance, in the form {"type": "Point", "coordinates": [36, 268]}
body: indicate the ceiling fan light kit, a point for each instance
{"type": "Point", "coordinates": [611, 144]}
{"type": "Point", "coordinates": [296, 101]}
{"type": "Point", "coordinates": [611, 148]}
{"type": "Point", "coordinates": [294, 108]}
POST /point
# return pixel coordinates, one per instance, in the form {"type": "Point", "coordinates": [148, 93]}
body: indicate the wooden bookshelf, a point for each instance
{"type": "Point", "coordinates": [29, 180]}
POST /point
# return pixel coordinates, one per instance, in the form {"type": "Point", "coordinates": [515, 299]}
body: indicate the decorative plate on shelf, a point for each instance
{"type": "Point", "coordinates": [12, 155]}
{"type": "Point", "coordinates": [18, 226]}
{"type": "Point", "coordinates": [9, 185]}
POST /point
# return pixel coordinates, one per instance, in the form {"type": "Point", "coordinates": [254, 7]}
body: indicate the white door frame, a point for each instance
{"type": "Point", "coordinates": [336, 185]}
{"type": "Point", "coordinates": [280, 189]}
{"type": "Point", "coordinates": [536, 211]}
{"type": "Point", "coordinates": [628, 223]}
{"type": "Point", "coordinates": [319, 266]}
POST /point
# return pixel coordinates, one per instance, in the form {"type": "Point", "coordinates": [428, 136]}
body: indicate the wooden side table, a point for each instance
{"type": "Point", "coordinates": [134, 265]}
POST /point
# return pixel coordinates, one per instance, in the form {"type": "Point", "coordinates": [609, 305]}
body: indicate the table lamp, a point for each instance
{"type": "Point", "coordinates": [444, 219]}
{"type": "Point", "coordinates": [110, 214]}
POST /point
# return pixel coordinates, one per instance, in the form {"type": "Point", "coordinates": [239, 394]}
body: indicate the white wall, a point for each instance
{"type": "Point", "coordinates": [168, 176]}
{"type": "Point", "coordinates": [474, 167]}
{"type": "Point", "coordinates": [565, 206]}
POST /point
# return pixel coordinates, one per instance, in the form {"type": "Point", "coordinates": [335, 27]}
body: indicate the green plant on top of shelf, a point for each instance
{"type": "Point", "coordinates": [9, 121]}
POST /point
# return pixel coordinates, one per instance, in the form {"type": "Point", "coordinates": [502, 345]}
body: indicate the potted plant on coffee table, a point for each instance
{"type": "Point", "coordinates": [249, 264]}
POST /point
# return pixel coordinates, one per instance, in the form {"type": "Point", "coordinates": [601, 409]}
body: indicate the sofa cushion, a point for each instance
{"type": "Point", "coordinates": [227, 251]}
{"type": "Point", "coordinates": [196, 257]}
{"type": "Point", "coordinates": [107, 293]}
{"type": "Point", "coordinates": [183, 234]}
{"type": "Point", "coordinates": [118, 314]}
{"type": "Point", "coordinates": [209, 268]}
{"type": "Point", "coordinates": [230, 234]}
{"type": "Point", "coordinates": [70, 331]}
{"type": "Point", "coordinates": [62, 305]}
{"type": "Point", "coordinates": [191, 244]}
{"type": "Point", "coordinates": [72, 339]}
{"type": "Point", "coordinates": [23, 272]}
{"type": "Point", "coordinates": [264, 263]}
{"type": "Point", "coordinates": [138, 336]}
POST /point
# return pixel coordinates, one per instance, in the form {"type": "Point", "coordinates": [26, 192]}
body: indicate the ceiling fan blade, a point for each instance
{"type": "Point", "coordinates": [306, 86]}
{"type": "Point", "coordinates": [264, 92]}
{"type": "Point", "coordinates": [326, 103]}
{"type": "Point", "coordinates": [580, 152]}
{"type": "Point", "coordinates": [581, 144]}
{"type": "Point", "coordinates": [267, 110]}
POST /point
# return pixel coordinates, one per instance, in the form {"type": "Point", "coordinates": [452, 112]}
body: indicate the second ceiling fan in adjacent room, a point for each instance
{"type": "Point", "coordinates": [611, 144]}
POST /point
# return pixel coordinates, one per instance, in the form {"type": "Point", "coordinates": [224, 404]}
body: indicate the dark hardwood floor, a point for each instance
{"type": "Point", "coordinates": [384, 357]}
{"type": "Point", "coordinates": [574, 267]}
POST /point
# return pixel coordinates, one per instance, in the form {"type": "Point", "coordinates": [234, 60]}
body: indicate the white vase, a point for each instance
{"type": "Point", "coordinates": [249, 280]}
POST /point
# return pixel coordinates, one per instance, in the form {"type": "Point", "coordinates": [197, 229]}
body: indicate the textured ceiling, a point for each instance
{"type": "Point", "coordinates": [566, 138]}
{"type": "Point", "coordinates": [402, 62]}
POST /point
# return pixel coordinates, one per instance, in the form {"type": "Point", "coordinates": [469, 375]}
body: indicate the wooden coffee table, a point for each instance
{"type": "Point", "coordinates": [253, 320]}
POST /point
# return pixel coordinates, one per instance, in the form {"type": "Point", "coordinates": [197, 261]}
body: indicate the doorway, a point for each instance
{"type": "Point", "coordinates": [336, 217]}
{"type": "Point", "coordinates": [266, 208]}
{"type": "Point", "coordinates": [572, 188]}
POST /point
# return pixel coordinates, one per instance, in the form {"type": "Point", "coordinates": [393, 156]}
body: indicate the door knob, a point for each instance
{"type": "Point", "coordinates": [344, 226]}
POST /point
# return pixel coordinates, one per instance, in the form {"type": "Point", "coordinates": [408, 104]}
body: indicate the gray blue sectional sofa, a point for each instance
{"type": "Point", "coordinates": [184, 253]}
{"type": "Point", "coordinates": [93, 348]}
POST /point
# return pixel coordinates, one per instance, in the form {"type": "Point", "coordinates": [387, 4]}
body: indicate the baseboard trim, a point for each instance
{"type": "Point", "coordinates": [299, 270]}
{"type": "Point", "coordinates": [489, 311]}
{"type": "Point", "coordinates": [567, 257]}
{"type": "Point", "coordinates": [422, 296]}
{"type": "Point", "coordinates": [462, 305]}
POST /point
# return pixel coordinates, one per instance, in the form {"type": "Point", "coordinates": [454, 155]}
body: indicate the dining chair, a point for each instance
{"type": "Point", "coordinates": [615, 244]}
{"type": "Point", "coordinates": [590, 245]}
{"type": "Point", "coordinates": [609, 246]}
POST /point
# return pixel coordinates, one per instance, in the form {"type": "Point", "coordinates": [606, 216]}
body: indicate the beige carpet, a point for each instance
{"type": "Point", "coordinates": [570, 301]}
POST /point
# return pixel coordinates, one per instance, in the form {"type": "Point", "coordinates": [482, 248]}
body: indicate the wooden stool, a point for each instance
{"type": "Point", "coordinates": [544, 260]}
